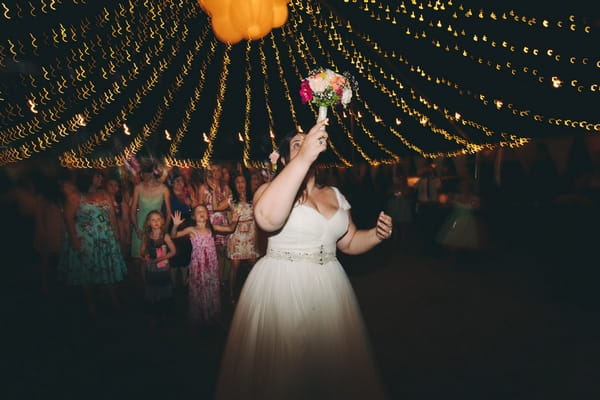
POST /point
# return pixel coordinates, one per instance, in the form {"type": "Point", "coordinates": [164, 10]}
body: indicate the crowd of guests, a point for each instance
{"type": "Point", "coordinates": [159, 228]}
{"type": "Point", "coordinates": [167, 228]}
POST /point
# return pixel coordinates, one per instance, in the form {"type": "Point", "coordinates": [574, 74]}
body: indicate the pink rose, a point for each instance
{"type": "Point", "coordinates": [306, 93]}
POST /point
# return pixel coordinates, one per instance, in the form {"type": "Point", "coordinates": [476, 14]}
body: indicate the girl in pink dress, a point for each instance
{"type": "Point", "coordinates": [203, 282]}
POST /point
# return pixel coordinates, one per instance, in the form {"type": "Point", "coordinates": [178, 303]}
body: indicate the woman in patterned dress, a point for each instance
{"type": "Point", "coordinates": [216, 197]}
{"type": "Point", "coordinates": [91, 254]}
{"type": "Point", "coordinates": [241, 244]}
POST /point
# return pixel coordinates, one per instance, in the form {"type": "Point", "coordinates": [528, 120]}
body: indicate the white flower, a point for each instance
{"type": "Point", "coordinates": [346, 96]}
{"type": "Point", "coordinates": [317, 85]}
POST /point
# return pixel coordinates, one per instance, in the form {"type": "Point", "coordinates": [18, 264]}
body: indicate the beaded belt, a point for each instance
{"type": "Point", "coordinates": [317, 256]}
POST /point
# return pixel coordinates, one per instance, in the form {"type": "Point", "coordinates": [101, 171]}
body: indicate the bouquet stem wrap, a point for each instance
{"type": "Point", "coordinates": [322, 113]}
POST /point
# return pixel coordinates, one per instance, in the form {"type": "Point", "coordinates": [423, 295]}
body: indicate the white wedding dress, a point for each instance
{"type": "Point", "coordinates": [297, 332]}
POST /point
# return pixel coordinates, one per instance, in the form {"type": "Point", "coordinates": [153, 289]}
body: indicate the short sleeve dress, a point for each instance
{"type": "Point", "coordinates": [297, 331]}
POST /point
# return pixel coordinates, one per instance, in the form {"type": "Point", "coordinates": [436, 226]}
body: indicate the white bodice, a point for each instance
{"type": "Point", "coordinates": [308, 233]}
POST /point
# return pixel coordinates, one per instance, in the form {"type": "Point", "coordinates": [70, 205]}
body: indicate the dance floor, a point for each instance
{"type": "Point", "coordinates": [521, 321]}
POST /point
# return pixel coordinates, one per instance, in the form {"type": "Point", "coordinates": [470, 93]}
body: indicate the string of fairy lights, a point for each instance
{"type": "Point", "coordinates": [95, 79]}
{"type": "Point", "coordinates": [369, 76]}
{"type": "Point", "coordinates": [527, 49]}
{"type": "Point", "coordinates": [498, 104]}
{"type": "Point", "coordinates": [303, 58]}
{"type": "Point", "coordinates": [114, 59]}
{"type": "Point", "coordinates": [384, 11]}
{"type": "Point", "coordinates": [322, 49]}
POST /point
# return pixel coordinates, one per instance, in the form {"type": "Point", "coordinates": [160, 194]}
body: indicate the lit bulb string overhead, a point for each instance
{"type": "Point", "coordinates": [172, 156]}
{"type": "Point", "coordinates": [464, 121]}
{"type": "Point", "coordinates": [247, 106]}
{"type": "Point", "coordinates": [82, 154]}
{"type": "Point", "coordinates": [98, 104]}
{"type": "Point", "coordinates": [588, 61]}
{"type": "Point", "coordinates": [51, 72]}
{"type": "Point", "coordinates": [369, 76]}
{"type": "Point", "coordinates": [139, 138]}
{"type": "Point", "coordinates": [298, 48]}
{"type": "Point", "coordinates": [108, 82]}
{"type": "Point", "coordinates": [304, 56]}
{"type": "Point", "coordinates": [216, 116]}
{"type": "Point", "coordinates": [568, 25]}
{"type": "Point", "coordinates": [392, 158]}
{"type": "Point", "coordinates": [49, 92]}
{"type": "Point", "coordinates": [510, 107]}
{"type": "Point", "coordinates": [309, 22]}
{"type": "Point", "coordinates": [118, 122]}
{"type": "Point", "coordinates": [552, 79]}
{"type": "Point", "coordinates": [247, 133]}
{"type": "Point", "coordinates": [147, 129]}
{"type": "Point", "coordinates": [301, 47]}
{"type": "Point", "coordinates": [266, 90]}
{"type": "Point", "coordinates": [373, 68]}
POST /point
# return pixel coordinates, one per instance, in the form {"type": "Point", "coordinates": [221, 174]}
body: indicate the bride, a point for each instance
{"type": "Point", "coordinates": [297, 331]}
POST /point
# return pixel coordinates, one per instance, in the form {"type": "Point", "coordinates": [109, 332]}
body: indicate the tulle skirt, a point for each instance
{"type": "Point", "coordinates": [297, 333]}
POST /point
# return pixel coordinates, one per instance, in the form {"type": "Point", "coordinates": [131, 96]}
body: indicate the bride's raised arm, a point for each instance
{"type": "Point", "coordinates": [274, 200]}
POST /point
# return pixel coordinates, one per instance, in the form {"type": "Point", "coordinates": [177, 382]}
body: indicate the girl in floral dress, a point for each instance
{"type": "Point", "coordinates": [241, 244]}
{"type": "Point", "coordinates": [204, 296]}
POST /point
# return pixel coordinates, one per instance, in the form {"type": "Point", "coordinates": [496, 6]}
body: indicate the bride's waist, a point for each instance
{"type": "Point", "coordinates": [317, 255]}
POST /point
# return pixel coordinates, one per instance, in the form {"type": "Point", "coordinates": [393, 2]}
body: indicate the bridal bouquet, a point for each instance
{"type": "Point", "coordinates": [325, 88]}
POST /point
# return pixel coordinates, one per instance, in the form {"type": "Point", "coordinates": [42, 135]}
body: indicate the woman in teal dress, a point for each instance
{"type": "Point", "coordinates": [91, 253]}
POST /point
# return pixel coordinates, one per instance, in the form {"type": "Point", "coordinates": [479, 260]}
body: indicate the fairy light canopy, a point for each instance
{"type": "Point", "coordinates": [95, 84]}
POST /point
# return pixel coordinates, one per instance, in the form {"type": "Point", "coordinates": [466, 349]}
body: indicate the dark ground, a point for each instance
{"type": "Point", "coordinates": [519, 322]}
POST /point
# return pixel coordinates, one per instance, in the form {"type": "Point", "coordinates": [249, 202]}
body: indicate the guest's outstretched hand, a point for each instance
{"type": "Point", "coordinates": [177, 220]}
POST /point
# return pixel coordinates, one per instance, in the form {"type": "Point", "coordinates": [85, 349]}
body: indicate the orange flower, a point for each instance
{"type": "Point", "coordinates": [337, 83]}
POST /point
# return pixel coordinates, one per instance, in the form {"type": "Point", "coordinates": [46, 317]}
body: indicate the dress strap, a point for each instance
{"type": "Point", "coordinates": [342, 202]}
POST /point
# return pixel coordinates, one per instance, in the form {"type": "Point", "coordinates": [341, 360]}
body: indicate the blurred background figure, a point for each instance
{"type": "Point", "coordinates": [427, 208]}
{"type": "Point", "coordinates": [463, 233]}
{"type": "Point", "coordinates": [400, 206]}
{"type": "Point", "coordinates": [91, 254]}
{"type": "Point", "coordinates": [181, 200]}
{"type": "Point", "coordinates": [122, 212]}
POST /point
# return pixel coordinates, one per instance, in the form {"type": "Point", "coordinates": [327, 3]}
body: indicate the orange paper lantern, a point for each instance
{"type": "Point", "coordinates": [234, 20]}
